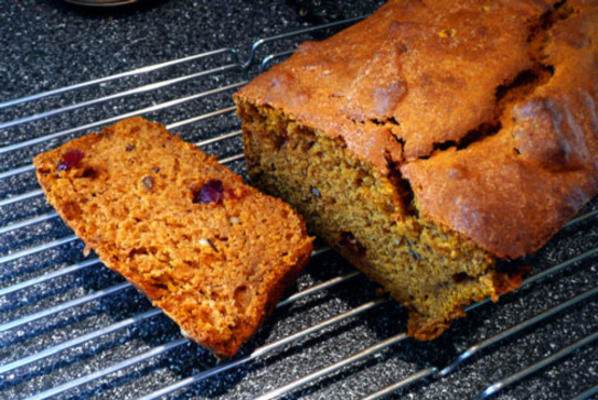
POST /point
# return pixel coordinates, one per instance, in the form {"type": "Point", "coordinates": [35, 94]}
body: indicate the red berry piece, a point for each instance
{"type": "Point", "coordinates": [70, 159]}
{"type": "Point", "coordinates": [350, 242]}
{"type": "Point", "coordinates": [211, 192]}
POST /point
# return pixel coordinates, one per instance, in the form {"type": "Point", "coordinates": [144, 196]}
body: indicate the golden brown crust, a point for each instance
{"type": "Point", "coordinates": [511, 192]}
{"type": "Point", "coordinates": [216, 268]}
{"type": "Point", "coordinates": [432, 67]}
{"type": "Point", "coordinates": [416, 80]}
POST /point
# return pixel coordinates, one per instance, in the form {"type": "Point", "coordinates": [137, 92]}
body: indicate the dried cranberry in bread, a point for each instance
{"type": "Point", "coordinates": [213, 253]}
{"type": "Point", "coordinates": [439, 137]}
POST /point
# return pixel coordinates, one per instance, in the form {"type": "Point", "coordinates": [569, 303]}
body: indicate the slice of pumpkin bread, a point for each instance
{"type": "Point", "coordinates": [213, 253]}
{"type": "Point", "coordinates": [432, 139]}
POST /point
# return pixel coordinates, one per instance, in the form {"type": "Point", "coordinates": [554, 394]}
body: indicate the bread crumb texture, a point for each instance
{"type": "Point", "coordinates": [211, 252]}
{"type": "Point", "coordinates": [432, 139]}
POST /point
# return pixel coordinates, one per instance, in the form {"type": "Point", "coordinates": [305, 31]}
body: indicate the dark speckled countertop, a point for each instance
{"type": "Point", "coordinates": [47, 44]}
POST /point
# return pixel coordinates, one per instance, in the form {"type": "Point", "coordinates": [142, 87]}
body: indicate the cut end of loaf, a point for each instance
{"type": "Point", "coordinates": [213, 253]}
{"type": "Point", "coordinates": [371, 219]}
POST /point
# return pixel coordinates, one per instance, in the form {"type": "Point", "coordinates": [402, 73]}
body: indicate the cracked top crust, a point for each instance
{"type": "Point", "coordinates": [487, 108]}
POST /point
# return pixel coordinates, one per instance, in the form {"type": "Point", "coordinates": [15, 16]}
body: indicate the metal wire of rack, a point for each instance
{"type": "Point", "coordinates": [16, 256]}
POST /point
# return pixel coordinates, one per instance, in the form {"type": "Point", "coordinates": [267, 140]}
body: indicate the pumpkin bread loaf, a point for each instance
{"type": "Point", "coordinates": [211, 252]}
{"type": "Point", "coordinates": [432, 139]}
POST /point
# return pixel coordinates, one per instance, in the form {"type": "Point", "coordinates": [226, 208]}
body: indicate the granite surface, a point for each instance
{"type": "Point", "coordinates": [46, 45]}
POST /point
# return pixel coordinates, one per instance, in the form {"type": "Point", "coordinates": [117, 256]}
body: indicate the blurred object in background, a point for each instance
{"type": "Point", "coordinates": [102, 3]}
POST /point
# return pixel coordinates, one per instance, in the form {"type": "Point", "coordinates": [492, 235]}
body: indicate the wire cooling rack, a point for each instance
{"type": "Point", "coordinates": [70, 328]}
